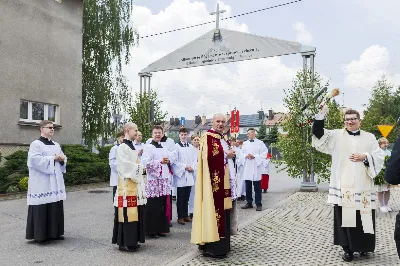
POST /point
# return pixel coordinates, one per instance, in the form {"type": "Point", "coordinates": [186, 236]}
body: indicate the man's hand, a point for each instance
{"type": "Point", "coordinates": [323, 108]}
{"type": "Point", "coordinates": [165, 160]}
{"type": "Point", "coordinates": [189, 169]}
{"type": "Point", "coordinates": [230, 154]}
{"type": "Point", "coordinates": [357, 157]}
{"type": "Point", "coordinates": [59, 157]}
{"type": "Point", "coordinates": [250, 156]}
{"type": "Point", "coordinates": [140, 152]}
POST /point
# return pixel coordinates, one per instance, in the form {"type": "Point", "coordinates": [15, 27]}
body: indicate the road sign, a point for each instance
{"type": "Point", "coordinates": [385, 130]}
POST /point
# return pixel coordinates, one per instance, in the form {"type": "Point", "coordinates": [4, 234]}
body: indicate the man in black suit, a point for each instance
{"type": "Point", "coordinates": [392, 176]}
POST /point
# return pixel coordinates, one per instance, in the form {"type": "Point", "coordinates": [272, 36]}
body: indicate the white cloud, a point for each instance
{"type": "Point", "coordinates": [364, 72]}
{"type": "Point", "coordinates": [211, 89]}
{"type": "Point", "coordinates": [302, 34]}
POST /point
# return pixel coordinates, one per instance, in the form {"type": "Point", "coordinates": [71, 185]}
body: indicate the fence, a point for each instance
{"type": "Point", "coordinates": [8, 149]}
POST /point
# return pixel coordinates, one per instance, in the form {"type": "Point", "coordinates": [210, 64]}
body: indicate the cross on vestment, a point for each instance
{"type": "Point", "coordinates": [217, 15]}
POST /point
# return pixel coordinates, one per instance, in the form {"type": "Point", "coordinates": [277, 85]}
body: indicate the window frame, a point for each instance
{"type": "Point", "coordinates": [45, 113]}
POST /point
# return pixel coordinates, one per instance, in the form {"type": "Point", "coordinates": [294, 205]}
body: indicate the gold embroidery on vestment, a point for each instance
{"type": "Point", "coordinates": [217, 216]}
{"type": "Point", "coordinates": [216, 181]}
{"type": "Point", "coordinates": [215, 150]}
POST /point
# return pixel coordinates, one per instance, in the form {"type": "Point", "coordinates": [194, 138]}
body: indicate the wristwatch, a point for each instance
{"type": "Point", "coordinates": [366, 163]}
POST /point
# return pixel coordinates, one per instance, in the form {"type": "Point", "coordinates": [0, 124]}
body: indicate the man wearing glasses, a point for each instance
{"type": "Point", "coordinates": [356, 160]}
{"type": "Point", "coordinates": [46, 189]}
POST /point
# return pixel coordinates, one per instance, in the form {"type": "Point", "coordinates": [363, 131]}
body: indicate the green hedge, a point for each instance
{"type": "Point", "coordinates": [83, 167]}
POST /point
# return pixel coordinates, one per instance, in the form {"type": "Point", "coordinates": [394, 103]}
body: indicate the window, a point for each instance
{"type": "Point", "coordinates": [36, 112]}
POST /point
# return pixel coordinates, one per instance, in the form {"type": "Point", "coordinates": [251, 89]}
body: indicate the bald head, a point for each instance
{"type": "Point", "coordinates": [130, 130]}
{"type": "Point", "coordinates": [218, 123]}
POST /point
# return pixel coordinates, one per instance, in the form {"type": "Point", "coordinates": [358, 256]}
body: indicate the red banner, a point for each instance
{"type": "Point", "coordinates": [235, 121]}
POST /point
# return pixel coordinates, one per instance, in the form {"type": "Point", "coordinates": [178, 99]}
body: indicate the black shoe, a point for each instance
{"type": "Point", "coordinates": [129, 249]}
{"type": "Point", "coordinates": [247, 206]}
{"type": "Point", "coordinates": [44, 242]}
{"type": "Point", "coordinates": [259, 208]}
{"type": "Point", "coordinates": [174, 198]}
{"type": "Point", "coordinates": [59, 238]}
{"type": "Point", "coordinates": [191, 215]}
{"type": "Point", "coordinates": [201, 247]}
{"type": "Point", "coordinates": [161, 235]}
{"type": "Point", "coordinates": [209, 255]}
{"type": "Point", "coordinates": [170, 225]}
{"type": "Point", "coordinates": [364, 254]}
{"type": "Point", "coordinates": [348, 257]}
{"type": "Point", "coordinates": [264, 191]}
{"type": "Point", "coordinates": [153, 236]}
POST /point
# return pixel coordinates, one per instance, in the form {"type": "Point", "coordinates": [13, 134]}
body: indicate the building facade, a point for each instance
{"type": "Point", "coordinates": [40, 69]}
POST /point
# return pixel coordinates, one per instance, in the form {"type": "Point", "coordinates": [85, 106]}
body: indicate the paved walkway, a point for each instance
{"type": "Point", "coordinates": [294, 229]}
{"type": "Point", "coordinates": [299, 231]}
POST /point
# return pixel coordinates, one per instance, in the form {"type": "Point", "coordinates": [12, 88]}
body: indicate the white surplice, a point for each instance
{"type": "Point", "coordinates": [46, 181]}
{"type": "Point", "coordinates": [253, 168]}
{"type": "Point", "coordinates": [112, 161]}
{"type": "Point", "coordinates": [192, 191]}
{"type": "Point", "coordinates": [128, 167]}
{"type": "Point", "coordinates": [240, 159]}
{"type": "Point", "coordinates": [159, 177]}
{"type": "Point", "coordinates": [186, 156]}
{"type": "Point", "coordinates": [138, 147]}
{"type": "Point", "coordinates": [351, 183]}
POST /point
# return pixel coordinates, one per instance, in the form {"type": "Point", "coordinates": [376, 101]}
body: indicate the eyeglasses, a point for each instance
{"type": "Point", "coordinates": [49, 127]}
{"type": "Point", "coordinates": [350, 119]}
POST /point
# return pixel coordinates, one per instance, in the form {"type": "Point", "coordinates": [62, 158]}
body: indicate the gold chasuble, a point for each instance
{"type": "Point", "coordinates": [213, 193]}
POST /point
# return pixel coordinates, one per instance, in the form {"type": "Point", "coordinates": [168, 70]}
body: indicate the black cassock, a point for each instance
{"type": "Point", "coordinates": [223, 246]}
{"type": "Point", "coordinates": [352, 239]}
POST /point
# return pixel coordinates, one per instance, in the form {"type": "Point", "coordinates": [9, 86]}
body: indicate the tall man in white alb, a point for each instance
{"type": "Point", "coordinates": [46, 189]}
{"type": "Point", "coordinates": [356, 161]}
{"type": "Point", "coordinates": [254, 152]}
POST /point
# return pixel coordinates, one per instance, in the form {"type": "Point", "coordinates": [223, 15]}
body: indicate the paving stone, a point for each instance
{"type": "Point", "coordinates": [299, 231]}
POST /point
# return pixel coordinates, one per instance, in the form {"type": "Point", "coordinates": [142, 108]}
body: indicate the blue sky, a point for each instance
{"type": "Point", "coordinates": [356, 43]}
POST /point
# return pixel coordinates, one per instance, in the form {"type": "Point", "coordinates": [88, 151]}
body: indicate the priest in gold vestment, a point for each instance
{"type": "Point", "coordinates": [212, 203]}
{"type": "Point", "coordinates": [356, 161]}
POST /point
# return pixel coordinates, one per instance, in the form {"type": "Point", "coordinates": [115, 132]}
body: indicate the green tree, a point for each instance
{"type": "Point", "coordinates": [140, 112]}
{"type": "Point", "coordinates": [295, 148]}
{"type": "Point", "coordinates": [108, 36]}
{"type": "Point", "coordinates": [383, 109]}
{"type": "Point", "coordinates": [262, 132]}
{"type": "Point", "coordinates": [272, 136]}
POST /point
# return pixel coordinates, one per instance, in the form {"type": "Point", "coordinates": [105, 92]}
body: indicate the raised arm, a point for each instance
{"type": "Point", "coordinates": [323, 140]}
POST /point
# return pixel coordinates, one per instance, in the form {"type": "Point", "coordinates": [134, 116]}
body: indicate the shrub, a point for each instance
{"type": "Point", "coordinates": [23, 184]}
{"type": "Point", "coordinates": [12, 189]}
{"type": "Point", "coordinates": [84, 166]}
{"type": "Point", "coordinates": [13, 170]}
{"type": "Point", "coordinates": [104, 151]}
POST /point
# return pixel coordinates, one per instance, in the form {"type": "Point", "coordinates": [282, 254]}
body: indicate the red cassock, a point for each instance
{"type": "Point", "coordinates": [265, 177]}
